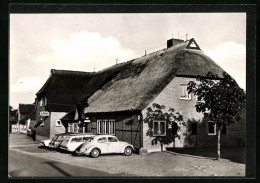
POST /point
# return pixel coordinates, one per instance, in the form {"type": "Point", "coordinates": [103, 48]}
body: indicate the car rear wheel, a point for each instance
{"type": "Point", "coordinates": [95, 153]}
{"type": "Point", "coordinates": [128, 151]}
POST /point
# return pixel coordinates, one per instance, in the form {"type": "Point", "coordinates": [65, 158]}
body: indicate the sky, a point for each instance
{"type": "Point", "coordinates": [92, 42]}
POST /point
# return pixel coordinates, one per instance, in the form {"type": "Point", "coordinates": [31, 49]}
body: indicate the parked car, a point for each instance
{"type": "Point", "coordinates": [105, 144]}
{"type": "Point", "coordinates": [45, 143]}
{"type": "Point", "coordinates": [57, 140]}
{"type": "Point", "coordinates": [72, 142]}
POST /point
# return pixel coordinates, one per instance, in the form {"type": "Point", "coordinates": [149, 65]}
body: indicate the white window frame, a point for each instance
{"type": "Point", "coordinates": [57, 124]}
{"type": "Point", "coordinates": [104, 125]}
{"type": "Point", "coordinates": [189, 95]}
{"type": "Point", "coordinates": [112, 121]}
{"type": "Point", "coordinates": [70, 127]}
{"type": "Point", "coordinates": [99, 123]}
{"type": "Point", "coordinates": [40, 102]}
{"type": "Point", "coordinates": [159, 127]}
{"type": "Point", "coordinates": [76, 127]}
{"type": "Point", "coordinates": [45, 101]}
{"type": "Point", "coordinates": [215, 128]}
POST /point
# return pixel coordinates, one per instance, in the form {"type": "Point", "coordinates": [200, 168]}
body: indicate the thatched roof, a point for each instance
{"type": "Point", "coordinates": [26, 108]}
{"type": "Point", "coordinates": [142, 79]}
{"type": "Point", "coordinates": [64, 89]}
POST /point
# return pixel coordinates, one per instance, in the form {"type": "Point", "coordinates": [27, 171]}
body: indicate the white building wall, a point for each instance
{"type": "Point", "coordinates": [53, 128]}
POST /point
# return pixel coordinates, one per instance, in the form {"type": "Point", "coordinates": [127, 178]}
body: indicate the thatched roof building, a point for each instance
{"type": "Point", "coordinates": [139, 81]}
{"type": "Point", "coordinates": [64, 89]}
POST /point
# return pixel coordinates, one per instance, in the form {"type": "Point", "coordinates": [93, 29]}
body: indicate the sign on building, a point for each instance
{"type": "Point", "coordinates": [44, 113]}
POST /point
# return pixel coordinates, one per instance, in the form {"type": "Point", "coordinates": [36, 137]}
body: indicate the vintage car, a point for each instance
{"type": "Point", "coordinates": [104, 144]}
{"type": "Point", "coordinates": [45, 143]}
{"type": "Point", "coordinates": [73, 141]}
{"type": "Point", "coordinates": [57, 140]}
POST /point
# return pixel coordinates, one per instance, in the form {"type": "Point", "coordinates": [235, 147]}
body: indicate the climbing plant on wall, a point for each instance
{"type": "Point", "coordinates": [163, 124]}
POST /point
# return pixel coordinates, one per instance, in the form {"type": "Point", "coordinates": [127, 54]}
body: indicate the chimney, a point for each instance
{"type": "Point", "coordinates": [173, 42]}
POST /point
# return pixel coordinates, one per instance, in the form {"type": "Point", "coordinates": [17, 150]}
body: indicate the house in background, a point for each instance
{"type": "Point", "coordinates": [30, 121]}
{"type": "Point", "coordinates": [23, 110]}
{"type": "Point", "coordinates": [13, 121]}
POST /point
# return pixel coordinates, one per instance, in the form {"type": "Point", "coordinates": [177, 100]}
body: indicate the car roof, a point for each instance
{"type": "Point", "coordinates": [98, 136]}
{"type": "Point", "coordinates": [80, 135]}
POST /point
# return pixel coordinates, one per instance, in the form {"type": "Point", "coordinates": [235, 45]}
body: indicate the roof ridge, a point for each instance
{"type": "Point", "coordinates": [55, 71]}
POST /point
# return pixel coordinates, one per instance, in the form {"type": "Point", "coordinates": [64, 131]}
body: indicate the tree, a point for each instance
{"type": "Point", "coordinates": [221, 100]}
{"type": "Point", "coordinates": [169, 117]}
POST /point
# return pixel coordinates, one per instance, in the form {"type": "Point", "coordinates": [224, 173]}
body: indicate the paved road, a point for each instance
{"type": "Point", "coordinates": [24, 165]}
{"type": "Point", "coordinates": [26, 159]}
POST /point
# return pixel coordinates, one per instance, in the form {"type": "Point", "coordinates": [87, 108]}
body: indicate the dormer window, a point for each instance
{"type": "Point", "coordinates": [184, 92]}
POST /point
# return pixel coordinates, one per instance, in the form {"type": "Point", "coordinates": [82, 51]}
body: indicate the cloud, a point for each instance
{"type": "Point", "coordinates": [84, 51]}
{"type": "Point", "coordinates": [26, 85]}
{"type": "Point", "coordinates": [231, 56]}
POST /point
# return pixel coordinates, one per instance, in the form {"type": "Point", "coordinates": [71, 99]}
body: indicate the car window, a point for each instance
{"type": "Point", "coordinates": [102, 140]}
{"type": "Point", "coordinates": [59, 139]}
{"type": "Point", "coordinates": [89, 139]}
{"type": "Point", "coordinates": [76, 139]}
{"type": "Point", "coordinates": [67, 139]}
{"type": "Point", "coordinates": [112, 139]}
{"type": "Point", "coordinates": [86, 138]}
{"type": "Point", "coordinates": [54, 138]}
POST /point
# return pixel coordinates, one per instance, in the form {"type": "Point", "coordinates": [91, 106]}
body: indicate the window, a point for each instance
{"type": "Point", "coordinates": [102, 140]}
{"type": "Point", "coordinates": [194, 128]}
{"type": "Point", "coordinates": [86, 138]}
{"type": "Point", "coordinates": [211, 128]}
{"type": "Point", "coordinates": [159, 128]}
{"type": "Point", "coordinates": [43, 101]}
{"type": "Point", "coordinates": [184, 92]}
{"type": "Point", "coordinates": [112, 139]}
{"type": "Point", "coordinates": [99, 126]}
{"type": "Point", "coordinates": [106, 126]}
{"type": "Point", "coordinates": [58, 122]}
{"type": "Point", "coordinates": [70, 127]}
{"type": "Point", "coordinates": [111, 127]}
{"type": "Point", "coordinates": [73, 127]}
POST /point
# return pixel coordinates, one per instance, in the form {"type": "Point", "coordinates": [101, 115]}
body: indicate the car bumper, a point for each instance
{"type": "Point", "coordinates": [64, 148]}
{"type": "Point", "coordinates": [81, 153]}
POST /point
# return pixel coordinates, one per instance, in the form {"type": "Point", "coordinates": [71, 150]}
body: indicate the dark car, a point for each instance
{"type": "Point", "coordinates": [57, 140]}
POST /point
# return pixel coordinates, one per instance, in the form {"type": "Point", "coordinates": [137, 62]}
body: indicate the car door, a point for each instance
{"type": "Point", "coordinates": [102, 144]}
{"type": "Point", "coordinates": [113, 145]}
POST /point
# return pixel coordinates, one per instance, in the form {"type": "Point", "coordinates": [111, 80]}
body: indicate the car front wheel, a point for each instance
{"type": "Point", "coordinates": [128, 151]}
{"type": "Point", "coordinates": [95, 153]}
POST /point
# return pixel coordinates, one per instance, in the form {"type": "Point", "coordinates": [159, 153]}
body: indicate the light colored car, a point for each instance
{"type": "Point", "coordinates": [45, 143]}
{"type": "Point", "coordinates": [72, 142]}
{"type": "Point", "coordinates": [105, 144]}
{"type": "Point", "coordinates": [57, 140]}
